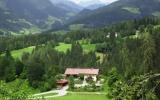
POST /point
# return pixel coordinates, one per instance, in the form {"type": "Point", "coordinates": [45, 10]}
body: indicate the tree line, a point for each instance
{"type": "Point", "coordinates": [133, 58]}
{"type": "Point", "coordinates": [19, 42]}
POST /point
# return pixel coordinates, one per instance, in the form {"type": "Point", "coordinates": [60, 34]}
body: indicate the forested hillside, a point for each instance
{"type": "Point", "coordinates": [118, 11]}
{"type": "Point", "coordinates": [31, 16]}
{"type": "Point", "coordinates": [35, 16]}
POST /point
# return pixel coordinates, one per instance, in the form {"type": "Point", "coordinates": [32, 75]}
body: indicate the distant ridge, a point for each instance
{"type": "Point", "coordinates": [118, 11]}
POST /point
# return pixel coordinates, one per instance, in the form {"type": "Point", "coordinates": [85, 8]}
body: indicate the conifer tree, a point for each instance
{"type": "Point", "coordinates": [149, 52]}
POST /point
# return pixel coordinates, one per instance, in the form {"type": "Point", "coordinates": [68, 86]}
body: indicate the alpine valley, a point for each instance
{"type": "Point", "coordinates": [79, 49]}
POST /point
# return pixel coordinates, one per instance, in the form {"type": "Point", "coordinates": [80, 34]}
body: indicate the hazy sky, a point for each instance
{"type": "Point", "coordinates": [102, 1]}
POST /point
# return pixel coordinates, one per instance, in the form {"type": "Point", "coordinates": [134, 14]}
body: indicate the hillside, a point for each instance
{"type": "Point", "coordinates": [20, 15]}
{"type": "Point", "coordinates": [118, 11]}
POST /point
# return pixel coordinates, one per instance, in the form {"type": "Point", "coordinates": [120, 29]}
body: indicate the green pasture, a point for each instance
{"type": "Point", "coordinates": [17, 54]}
{"type": "Point", "coordinates": [86, 47]}
{"type": "Point", "coordinates": [81, 97]}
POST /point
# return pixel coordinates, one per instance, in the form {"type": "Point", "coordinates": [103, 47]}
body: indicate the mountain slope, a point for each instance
{"type": "Point", "coordinates": [18, 15]}
{"type": "Point", "coordinates": [118, 11]}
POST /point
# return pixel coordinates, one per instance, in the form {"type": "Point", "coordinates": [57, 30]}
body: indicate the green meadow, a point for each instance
{"type": "Point", "coordinates": [132, 10]}
{"type": "Point", "coordinates": [63, 47]}
{"type": "Point", "coordinates": [81, 97]}
{"type": "Point", "coordinates": [86, 47]}
{"type": "Point", "coordinates": [17, 54]}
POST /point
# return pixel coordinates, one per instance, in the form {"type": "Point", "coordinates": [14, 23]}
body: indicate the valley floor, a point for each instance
{"type": "Point", "coordinates": [81, 97]}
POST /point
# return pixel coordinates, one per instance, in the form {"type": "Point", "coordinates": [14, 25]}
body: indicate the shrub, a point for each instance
{"type": "Point", "coordinates": [18, 90]}
{"type": "Point", "coordinates": [89, 80]}
{"type": "Point", "coordinates": [113, 76]}
{"type": "Point", "coordinates": [71, 82]}
{"type": "Point", "coordinates": [81, 77]}
{"type": "Point", "coordinates": [133, 89]}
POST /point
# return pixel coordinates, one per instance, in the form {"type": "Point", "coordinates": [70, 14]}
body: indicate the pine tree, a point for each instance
{"type": "Point", "coordinates": [149, 51]}
{"type": "Point", "coordinates": [126, 63]}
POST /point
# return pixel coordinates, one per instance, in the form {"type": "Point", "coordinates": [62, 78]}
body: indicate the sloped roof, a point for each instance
{"type": "Point", "coordinates": [77, 71]}
{"type": "Point", "coordinates": [63, 81]}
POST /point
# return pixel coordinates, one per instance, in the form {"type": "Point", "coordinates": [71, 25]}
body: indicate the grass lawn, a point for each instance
{"type": "Point", "coordinates": [81, 97]}
{"type": "Point", "coordinates": [89, 47]}
{"type": "Point", "coordinates": [63, 47]}
{"type": "Point", "coordinates": [86, 47]}
{"type": "Point", "coordinates": [48, 94]}
{"type": "Point", "coordinates": [17, 54]}
{"type": "Point", "coordinates": [132, 10]}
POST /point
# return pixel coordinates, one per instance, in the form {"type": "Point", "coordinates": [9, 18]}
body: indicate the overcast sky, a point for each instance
{"type": "Point", "coordinates": [102, 1]}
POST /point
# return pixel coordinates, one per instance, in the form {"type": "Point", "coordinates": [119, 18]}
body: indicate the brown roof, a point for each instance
{"type": "Point", "coordinates": [62, 81]}
{"type": "Point", "coordinates": [77, 71]}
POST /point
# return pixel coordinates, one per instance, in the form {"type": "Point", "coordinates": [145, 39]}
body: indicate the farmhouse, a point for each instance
{"type": "Point", "coordinates": [93, 73]}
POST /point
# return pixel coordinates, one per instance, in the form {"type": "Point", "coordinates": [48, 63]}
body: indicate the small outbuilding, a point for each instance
{"type": "Point", "coordinates": [86, 72]}
{"type": "Point", "coordinates": [62, 83]}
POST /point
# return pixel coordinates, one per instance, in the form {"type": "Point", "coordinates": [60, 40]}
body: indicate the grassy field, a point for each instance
{"type": "Point", "coordinates": [17, 54]}
{"type": "Point", "coordinates": [63, 47]}
{"type": "Point", "coordinates": [48, 94]}
{"type": "Point", "coordinates": [86, 47]}
{"type": "Point", "coordinates": [132, 10]}
{"type": "Point", "coordinates": [81, 97]}
{"type": "Point", "coordinates": [89, 47]}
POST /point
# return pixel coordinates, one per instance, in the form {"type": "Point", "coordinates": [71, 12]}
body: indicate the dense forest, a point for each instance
{"type": "Point", "coordinates": [130, 58]}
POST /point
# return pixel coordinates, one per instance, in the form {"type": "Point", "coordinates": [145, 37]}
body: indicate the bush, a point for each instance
{"type": "Point", "coordinates": [67, 40]}
{"type": "Point", "coordinates": [78, 81]}
{"type": "Point", "coordinates": [81, 77]}
{"type": "Point", "coordinates": [89, 80]}
{"type": "Point", "coordinates": [88, 88]}
{"type": "Point", "coordinates": [17, 90]}
{"type": "Point", "coordinates": [133, 89]}
{"type": "Point", "coordinates": [112, 76]}
{"type": "Point", "coordinates": [71, 82]}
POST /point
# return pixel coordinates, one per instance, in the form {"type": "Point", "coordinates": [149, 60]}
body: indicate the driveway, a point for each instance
{"type": "Point", "coordinates": [59, 93]}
